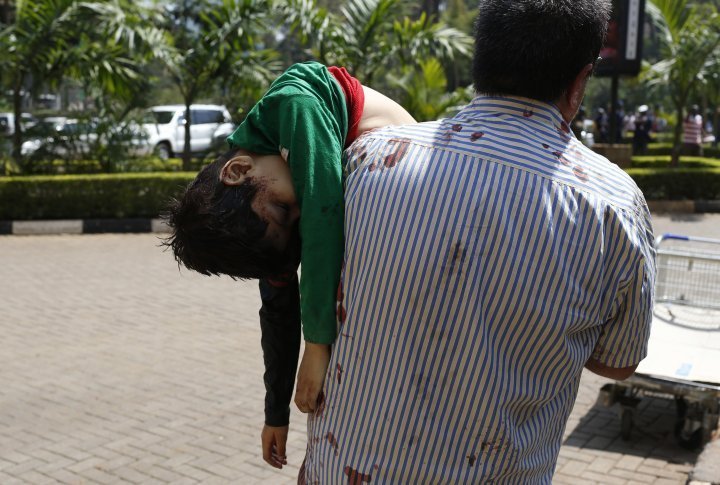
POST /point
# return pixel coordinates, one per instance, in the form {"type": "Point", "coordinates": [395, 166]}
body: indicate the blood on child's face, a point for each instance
{"type": "Point", "coordinates": [275, 201]}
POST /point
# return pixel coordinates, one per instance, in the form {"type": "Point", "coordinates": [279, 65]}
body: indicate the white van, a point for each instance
{"type": "Point", "coordinates": [166, 129]}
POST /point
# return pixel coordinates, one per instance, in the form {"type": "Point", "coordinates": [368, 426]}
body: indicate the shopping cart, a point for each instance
{"type": "Point", "coordinates": [683, 360]}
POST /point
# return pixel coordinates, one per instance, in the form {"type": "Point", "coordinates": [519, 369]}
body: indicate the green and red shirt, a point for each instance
{"type": "Point", "coordinates": [304, 117]}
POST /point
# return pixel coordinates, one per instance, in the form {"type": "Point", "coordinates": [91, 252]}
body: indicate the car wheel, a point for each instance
{"type": "Point", "coordinates": [162, 150]}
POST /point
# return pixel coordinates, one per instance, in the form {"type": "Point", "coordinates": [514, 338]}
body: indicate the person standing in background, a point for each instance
{"type": "Point", "coordinates": [693, 132]}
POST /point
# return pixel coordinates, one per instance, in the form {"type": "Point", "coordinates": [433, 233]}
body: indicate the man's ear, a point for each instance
{"type": "Point", "coordinates": [235, 171]}
{"type": "Point", "coordinates": [572, 98]}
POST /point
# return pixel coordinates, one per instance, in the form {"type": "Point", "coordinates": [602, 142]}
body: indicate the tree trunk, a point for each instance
{"type": "Point", "coordinates": [187, 154]}
{"type": "Point", "coordinates": [677, 136]}
{"type": "Point", "coordinates": [431, 8]}
{"type": "Point", "coordinates": [17, 111]}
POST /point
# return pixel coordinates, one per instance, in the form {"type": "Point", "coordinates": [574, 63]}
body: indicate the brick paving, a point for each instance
{"type": "Point", "coordinates": [117, 368]}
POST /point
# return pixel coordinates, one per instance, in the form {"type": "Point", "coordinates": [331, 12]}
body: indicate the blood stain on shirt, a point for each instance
{"type": "Point", "coordinates": [476, 136]}
{"type": "Point", "coordinates": [457, 127]}
{"type": "Point", "coordinates": [471, 459]}
{"type": "Point", "coordinates": [528, 113]}
{"type": "Point", "coordinates": [339, 372]}
{"type": "Point", "coordinates": [320, 409]}
{"type": "Point", "coordinates": [333, 442]}
{"type": "Point", "coordinates": [341, 314]}
{"type": "Point", "coordinates": [580, 173]}
{"type": "Point", "coordinates": [561, 158]}
{"type": "Point", "coordinates": [355, 477]}
{"type": "Point", "coordinates": [400, 149]}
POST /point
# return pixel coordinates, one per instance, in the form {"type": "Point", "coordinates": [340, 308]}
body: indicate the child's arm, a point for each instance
{"type": "Point", "coordinates": [280, 341]}
{"type": "Point", "coordinates": [311, 376]}
{"type": "Point", "coordinates": [380, 111]}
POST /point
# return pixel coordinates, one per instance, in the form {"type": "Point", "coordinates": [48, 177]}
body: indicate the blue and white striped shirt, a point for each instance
{"type": "Point", "coordinates": [488, 257]}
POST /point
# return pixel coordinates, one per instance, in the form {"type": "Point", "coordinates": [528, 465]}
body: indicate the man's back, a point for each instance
{"type": "Point", "coordinates": [488, 257]}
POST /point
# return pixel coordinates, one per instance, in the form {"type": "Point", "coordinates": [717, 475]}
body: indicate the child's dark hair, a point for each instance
{"type": "Point", "coordinates": [215, 230]}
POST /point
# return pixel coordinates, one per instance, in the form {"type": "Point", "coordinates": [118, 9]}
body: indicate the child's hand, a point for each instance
{"type": "Point", "coordinates": [311, 376]}
{"type": "Point", "coordinates": [273, 445]}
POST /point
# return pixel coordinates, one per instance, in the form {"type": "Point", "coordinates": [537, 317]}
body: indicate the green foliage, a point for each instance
{"type": "Point", "coordinates": [678, 183]}
{"type": "Point", "coordinates": [458, 15]}
{"type": "Point", "coordinates": [370, 37]}
{"type": "Point", "coordinates": [215, 43]}
{"type": "Point", "coordinates": [423, 91]}
{"type": "Point", "coordinates": [101, 43]}
{"type": "Point", "coordinates": [88, 196]}
{"type": "Point", "coordinates": [697, 178]}
{"type": "Point", "coordinates": [56, 166]}
{"type": "Point", "coordinates": [691, 35]}
{"type": "Point", "coordinates": [657, 151]}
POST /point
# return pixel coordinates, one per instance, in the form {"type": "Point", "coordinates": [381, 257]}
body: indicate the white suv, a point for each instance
{"type": "Point", "coordinates": [166, 129]}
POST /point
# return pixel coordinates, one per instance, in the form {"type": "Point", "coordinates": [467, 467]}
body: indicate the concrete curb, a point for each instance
{"type": "Point", "coordinates": [83, 226]}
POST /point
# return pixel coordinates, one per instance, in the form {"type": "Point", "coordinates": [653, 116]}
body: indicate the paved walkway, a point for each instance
{"type": "Point", "coordinates": [116, 368]}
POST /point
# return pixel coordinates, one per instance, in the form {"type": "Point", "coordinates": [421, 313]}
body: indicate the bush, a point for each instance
{"type": "Point", "coordinates": [664, 162]}
{"type": "Point", "coordinates": [677, 184]}
{"type": "Point", "coordinates": [88, 196]}
{"type": "Point", "coordinates": [697, 178]}
{"type": "Point", "coordinates": [665, 149]}
{"type": "Point", "coordinates": [145, 195]}
{"type": "Point", "coordinates": [54, 166]}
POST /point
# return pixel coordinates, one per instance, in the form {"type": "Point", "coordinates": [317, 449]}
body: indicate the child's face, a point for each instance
{"type": "Point", "coordinates": [275, 201]}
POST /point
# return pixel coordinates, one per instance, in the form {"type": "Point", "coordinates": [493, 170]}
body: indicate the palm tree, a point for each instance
{"type": "Point", "coordinates": [691, 35]}
{"type": "Point", "coordinates": [372, 36]}
{"type": "Point", "coordinates": [212, 40]}
{"type": "Point", "coordinates": [424, 94]}
{"type": "Point", "coordinates": [50, 39]}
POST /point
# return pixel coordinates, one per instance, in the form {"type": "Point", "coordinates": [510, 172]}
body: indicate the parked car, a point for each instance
{"type": "Point", "coordinates": [166, 129]}
{"type": "Point", "coordinates": [7, 122]}
{"type": "Point", "coordinates": [59, 136]}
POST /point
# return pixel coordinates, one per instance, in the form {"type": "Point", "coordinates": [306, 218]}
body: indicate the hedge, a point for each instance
{"type": "Point", "coordinates": [678, 184]}
{"type": "Point", "coordinates": [146, 194]}
{"type": "Point", "coordinates": [88, 196]}
{"type": "Point", "coordinates": [661, 149]}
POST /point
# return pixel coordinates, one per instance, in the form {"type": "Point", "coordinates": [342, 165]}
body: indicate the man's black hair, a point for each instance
{"type": "Point", "coordinates": [536, 48]}
{"type": "Point", "coordinates": [215, 230]}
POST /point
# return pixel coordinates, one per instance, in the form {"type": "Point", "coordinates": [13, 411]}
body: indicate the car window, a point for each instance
{"type": "Point", "coordinates": [163, 117]}
{"type": "Point", "coordinates": [70, 128]}
{"type": "Point", "coordinates": [204, 116]}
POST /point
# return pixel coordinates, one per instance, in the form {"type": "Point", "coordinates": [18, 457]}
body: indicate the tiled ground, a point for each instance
{"type": "Point", "coordinates": [115, 368]}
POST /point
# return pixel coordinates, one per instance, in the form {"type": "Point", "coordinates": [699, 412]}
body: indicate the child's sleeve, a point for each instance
{"type": "Point", "coordinates": [280, 341]}
{"type": "Point", "coordinates": [313, 140]}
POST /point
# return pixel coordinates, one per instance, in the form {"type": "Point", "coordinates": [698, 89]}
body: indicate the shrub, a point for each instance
{"type": "Point", "coordinates": [665, 149]}
{"type": "Point", "coordinates": [88, 196]}
{"type": "Point", "coordinates": [664, 162]}
{"type": "Point", "coordinates": [57, 166]}
{"type": "Point", "coordinates": [678, 184]}
{"type": "Point", "coordinates": [145, 195]}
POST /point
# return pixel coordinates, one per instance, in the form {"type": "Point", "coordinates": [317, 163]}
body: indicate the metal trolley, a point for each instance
{"type": "Point", "coordinates": [683, 359]}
